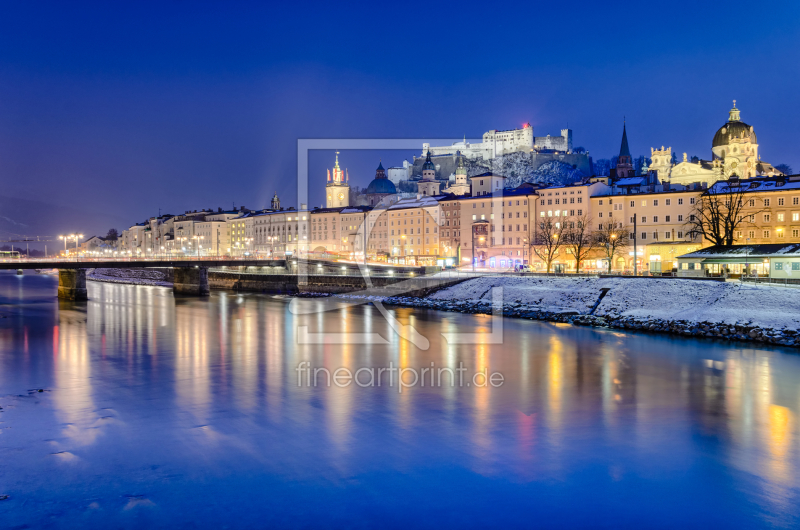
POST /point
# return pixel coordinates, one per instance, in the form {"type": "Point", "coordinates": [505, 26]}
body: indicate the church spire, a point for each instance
{"type": "Point", "coordinates": [624, 150]}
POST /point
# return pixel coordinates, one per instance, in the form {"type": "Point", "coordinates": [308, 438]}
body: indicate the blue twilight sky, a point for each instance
{"type": "Point", "coordinates": [120, 109]}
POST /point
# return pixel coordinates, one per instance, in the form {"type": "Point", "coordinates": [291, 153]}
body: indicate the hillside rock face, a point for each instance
{"type": "Point", "coordinates": [555, 168]}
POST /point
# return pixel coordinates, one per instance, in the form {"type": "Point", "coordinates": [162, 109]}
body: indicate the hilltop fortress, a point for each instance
{"type": "Point", "coordinates": [540, 149]}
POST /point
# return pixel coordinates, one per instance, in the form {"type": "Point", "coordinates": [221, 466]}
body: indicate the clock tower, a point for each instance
{"type": "Point", "coordinates": [337, 191]}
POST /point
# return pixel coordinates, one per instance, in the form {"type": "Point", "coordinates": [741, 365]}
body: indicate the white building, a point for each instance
{"type": "Point", "coordinates": [496, 143]}
{"type": "Point", "coordinates": [734, 150]}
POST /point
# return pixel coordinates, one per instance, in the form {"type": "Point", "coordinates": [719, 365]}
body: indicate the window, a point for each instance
{"type": "Point", "coordinates": [667, 235]}
{"type": "Point", "coordinates": [780, 217]}
{"type": "Point", "coordinates": [680, 235]}
{"type": "Point", "coordinates": [601, 202]}
{"type": "Point", "coordinates": [632, 235]}
{"type": "Point", "coordinates": [751, 234]}
{"type": "Point", "coordinates": [780, 201]}
{"type": "Point", "coordinates": [796, 265]}
{"type": "Point", "coordinates": [796, 217]}
{"type": "Point", "coordinates": [632, 219]}
{"type": "Point", "coordinates": [668, 202]}
{"type": "Point", "coordinates": [644, 219]}
{"type": "Point", "coordinates": [778, 266]}
{"type": "Point", "coordinates": [655, 235]}
{"type": "Point", "coordinates": [691, 200]}
{"type": "Point", "coordinates": [655, 218]}
{"type": "Point", "coordinates": [580, 212]}
{"type": "Point", "coordinates": [474, 217]}
{"type": "Point", "coordinates": [644, 236]}
{"type": "Point", "coordinates": [667, 218]}
{"type": "Point", "coordinates": [644, 203]}
{"type": "Point", "coordinates": [655, 202]}
{"type": "Point", "coordinates": [795, 232]}
{"type": "Point", "coordinates": [632, 203]}
{"type": "Point", "coordinates": [766, 202]}
{"type": "Point", "coordinates": [780, 233]}
{"type": "Point", "coordinates": [684, 266]}
{"type": "Point", "coordinates": [766, 233]}
{"type": "Point", "coordinates": [795, 202]}
{"type": "Point", "coordinates": [766, 217]}
{"type": "Point", "coordinates": [600, 214]}
{"type": "Point", "coordinates": [580, 199]}
{"type": "Point", "coordinates": [680, 201]}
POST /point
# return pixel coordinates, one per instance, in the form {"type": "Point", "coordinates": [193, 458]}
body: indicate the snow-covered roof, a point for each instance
{"type": "Point", "coordinates": [356, 209]}
{"type": "Point", "coordinates": [630, 181]}
{"type": "Point", "coordinates": [426, 201]}
{"type": "Point", "coordinates": [742, 251]}
{"type": "Point", "coordinates": [757, 185]}
{"type": "Point", "coordinates": [487, 174]}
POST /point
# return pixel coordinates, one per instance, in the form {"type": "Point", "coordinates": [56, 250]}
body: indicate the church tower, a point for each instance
{"type": "Point", "coordinates": [428, 185]}
{"type": "Point", "coordinates": [461, 186]}
{"type": "Point", "coordinates": [337, 189]}
{"type": "Point", "coordinates": [624, 167]}
{"type": "Point", "coordinates": [276, 203]}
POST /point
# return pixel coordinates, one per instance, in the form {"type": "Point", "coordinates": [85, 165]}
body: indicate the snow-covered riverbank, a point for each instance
{"type": "Point", "coordinates": [763, 313]}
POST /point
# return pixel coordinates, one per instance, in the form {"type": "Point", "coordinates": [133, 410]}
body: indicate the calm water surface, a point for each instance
{"type": "Point", "coordinates": [186, 413]}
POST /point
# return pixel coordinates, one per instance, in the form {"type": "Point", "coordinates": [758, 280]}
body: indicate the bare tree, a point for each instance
{"type": "Point", "coordinates": [718, 212]}
{"type": "Point", "coordinates": [112, 234]}
{"type": "Point", "coordinates": [547, 239]}
{"type": "Point", "coordinates": [611, 239]}
{"type": "Point", "coordinates": [579, 240]}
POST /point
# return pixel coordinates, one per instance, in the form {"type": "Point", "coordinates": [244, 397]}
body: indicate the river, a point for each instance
{"type": "Point", "coordinates": [160, 412]}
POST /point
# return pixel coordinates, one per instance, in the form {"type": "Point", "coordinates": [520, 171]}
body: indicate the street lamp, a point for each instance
{"type": "Point", "coordinates": [746, 254]}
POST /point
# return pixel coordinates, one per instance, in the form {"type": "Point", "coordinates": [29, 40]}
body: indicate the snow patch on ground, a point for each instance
{"type": "Point", "coordinates": [766, 306]}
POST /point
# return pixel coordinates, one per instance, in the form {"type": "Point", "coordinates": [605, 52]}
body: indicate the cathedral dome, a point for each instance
{"type": "Point", "coordinates": [733, 129]}
{"type": "Point", "coordinates": [381, 185]}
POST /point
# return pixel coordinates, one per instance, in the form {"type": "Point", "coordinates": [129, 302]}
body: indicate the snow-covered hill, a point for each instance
{"type": "Point", "coordinates": [517, 168]}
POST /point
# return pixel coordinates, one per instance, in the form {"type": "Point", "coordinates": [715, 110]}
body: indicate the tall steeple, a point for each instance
{"type": "Point", "coordinates": [624, 150]}
{"type": "Point", "coordinates": [625, 160]}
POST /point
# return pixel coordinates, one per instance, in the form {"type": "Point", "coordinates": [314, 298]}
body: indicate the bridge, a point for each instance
{"type": "Point", "coordinates": [191, 274]}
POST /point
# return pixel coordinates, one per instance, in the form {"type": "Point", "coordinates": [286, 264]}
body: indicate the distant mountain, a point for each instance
{"type": "Point", "coordinates": [25, 217]}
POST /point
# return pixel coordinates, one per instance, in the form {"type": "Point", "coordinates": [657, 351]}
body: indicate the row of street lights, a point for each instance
{"type": "Point", "coordinates": [69, 237]}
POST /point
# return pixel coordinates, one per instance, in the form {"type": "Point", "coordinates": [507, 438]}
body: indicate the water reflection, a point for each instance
{"type": "Point", "coordinates": [207, 389]}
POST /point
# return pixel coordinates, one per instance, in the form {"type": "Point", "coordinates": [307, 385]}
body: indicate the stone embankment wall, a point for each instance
{"type": "Point", "coordinates": [713, 330]}
{"type": "Point", "coordinates": [326, 284]}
